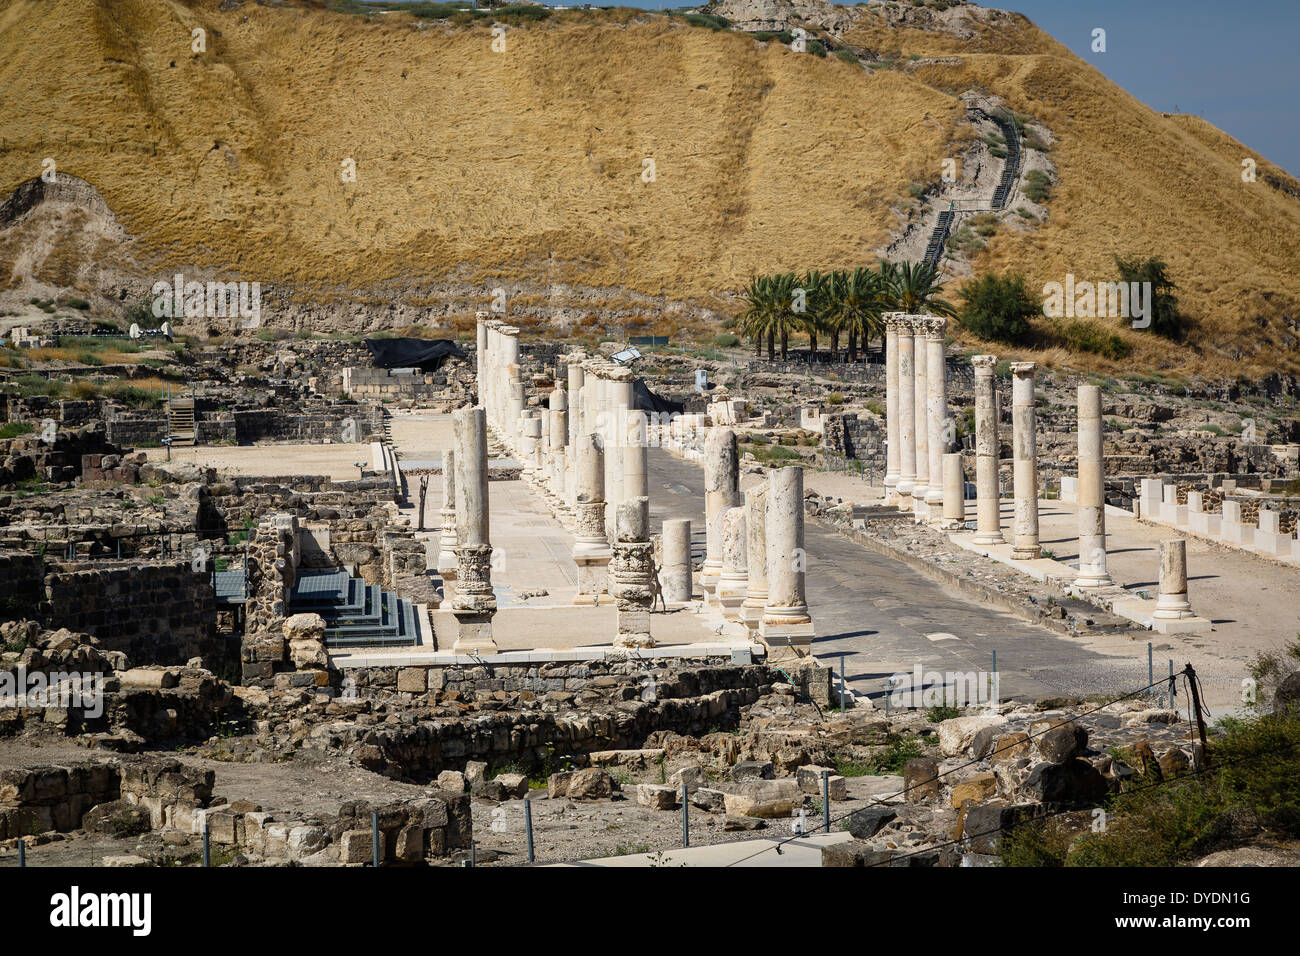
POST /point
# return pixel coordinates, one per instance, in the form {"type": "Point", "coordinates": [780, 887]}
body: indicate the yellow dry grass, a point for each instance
{"type": "Point", "coordinates": [1134, 182]}
{"type": "Point", "coordinates": [526, 165]}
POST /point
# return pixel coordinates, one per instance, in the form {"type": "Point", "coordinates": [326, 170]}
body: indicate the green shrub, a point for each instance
{"type": "Point", "coordinates": [726, 340]}
{"type": "Point", "coordinates": [14, 429]}
{"type": "Point", "coordinates": [1165, 318]}
{"type": "Point", "coordinates": [1038, 187]}
{"type": "Point", "coordinates": [1249, 789]}
{"type": "Point", "coordinates": [997, 308]}
{"type": "Point", "coordinates": [1088, 336]}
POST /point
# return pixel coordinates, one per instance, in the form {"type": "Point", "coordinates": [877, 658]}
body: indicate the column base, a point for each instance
{"type": "Point", "coordinates": [593, 579]}
{"type": "Point", "coordinates": [988, 538]}
{"type": "Point", "coordinates": [473, 634]}
{"type": "Point", "coordinates": [751, 615]}
{"type": "Point", "coordinates": [786, 642]}
{"type": "Point", "coordinates": [1019, 553]}
{"type": "Point", "coordinates": [1172, 607]}
{"type": "Point", "coordinates": [1093, 579]}
{"type": "Point", "coordinates": [730, 595]}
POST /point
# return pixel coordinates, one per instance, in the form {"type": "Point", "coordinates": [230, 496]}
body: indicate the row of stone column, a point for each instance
{"type": "Point", "coordinates": [755, 561]}
{"type": "Point", "coordinates": [500, 384]}
{"type": "Point", "coordinates": [916, 412]}
{"type": "Point", "coordinates": [921, 473]}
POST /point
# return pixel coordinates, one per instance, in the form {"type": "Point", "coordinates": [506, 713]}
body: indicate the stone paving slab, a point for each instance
{"type": "Point", "coordinates": [803, 851]}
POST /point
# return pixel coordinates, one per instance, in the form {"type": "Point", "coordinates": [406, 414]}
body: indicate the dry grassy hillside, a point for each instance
{"type": "Point", "coordinates": [1136, 182]}
{"type": "Point", "coordinates": [524, 167]}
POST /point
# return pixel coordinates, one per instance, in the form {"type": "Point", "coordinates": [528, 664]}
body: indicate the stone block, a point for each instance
{"type": "Point", "coordinates": [413, 680]}
{"type": "Point", "coordinates": [768, 799]}
{"type": "Point", "coordinates": [656, 796]}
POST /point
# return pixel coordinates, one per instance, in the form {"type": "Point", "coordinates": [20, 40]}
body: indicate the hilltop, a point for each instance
{"type": "Point", "coordinates": [524, 169]}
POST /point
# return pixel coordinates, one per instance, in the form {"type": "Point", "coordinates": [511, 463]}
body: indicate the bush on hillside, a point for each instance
{"type": "Point", "coordinates": [1165, 318]}
{"type": "Point", "coordinates": [997, 308]}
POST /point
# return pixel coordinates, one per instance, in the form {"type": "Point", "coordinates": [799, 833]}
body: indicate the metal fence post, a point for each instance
{"type": "Point", "coordinates": [1151, 670]}
{"type": "Point", "coordinates": [207, 843]}
{"type": "Point", "coordinates": [374, 837]}
{"type": "Point", "coordinates": [22, 852]}
{"type": "Point", "coordinates": [826, 801]}
{"type": "Point", "coordinates": [843, 688]}
{"type": "Point", "coordinates": [528, 828]}
{"type": "Point", "coordinates": [686, 818]}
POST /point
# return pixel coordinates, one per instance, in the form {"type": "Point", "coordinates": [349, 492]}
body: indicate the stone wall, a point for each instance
{"type": "Point", "coordinates": [159, 612]}
{"type": "Point", "coordinates": [22, 584]}
{"type": "Point", "coordinates": [849, 436]}
{"type": "Point", "coordinates": [572, 710]}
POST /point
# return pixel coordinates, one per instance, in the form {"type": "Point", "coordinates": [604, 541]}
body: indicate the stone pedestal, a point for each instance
{"type": "Point", "coordinates": [1091, 492]}
{"type": "Point", "coordinates": [677, 576]}
{"type": "Point", "coordinates": [1024, 542]}
{"type": "Point", "coordinates": [988, 517]}
{"type": "Point", "coordinates": [751, 609]}
{"type": "Point", "coordinates": [721, 487]}
{"type": "Point", "coordinates": [786, 628]}
{"type": "Point", "coordinates": [733, 580]}
{"type": "Point", "coordinates": [474, 603]}
{"type": "Point", "coordinates": [632, 574]}
{"type": "Point", "coordinates": [591, 551]}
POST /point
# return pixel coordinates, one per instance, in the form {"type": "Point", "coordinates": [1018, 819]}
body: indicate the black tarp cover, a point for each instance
{"type": "Point", "coordinates": [647, 401]}
{"type": "Point", "coordinates": [424, 354]}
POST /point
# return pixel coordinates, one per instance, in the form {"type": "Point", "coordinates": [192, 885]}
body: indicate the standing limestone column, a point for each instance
{"type": "Point", "coordinates": [1024, 542]}
{"type": "Point", "coordinates": [1093, 572]}
{"type": "Point", "coordinates": [988, 514]}
{"type": "Point", "coordinates": [530, 432]}
{"type": "Point", "coordinates": [751, 609]}
{"type": "Point", "coordinates": [954, 493]}
{"type": "Point", "coordinates": [514, 416]}
{"type": "Point", "coordinates": [559, 435]}
{"type": "Point", "coordinates": [786, 628]}
{"type": "Point", "coordinates": [906, 414]}
{"type": "Point", "coordinates": [636, 460]}
{"type": "Point", "coordinates": [576, 376]}
{"type": "Point", "coordinates": [936, 384]}
{"type": "Point", "coordinates": [620, 404]}
{"type": "Point", "coordinates": [475, 603]}
{"type": "Point", "coordinates": [920, 384]}
{"type": "Point", "coordinates": [591, 552]}
{"type": "Point", "coordinates": [721, 485]}
{"type": "Point", "coordinates": [480, 356]}
{"type": "Point", "coordinates": [1172, 603]}
{"type": "Point", "coordinates": [892, 456]}
{"type": "Point", "coordinates": [632, 573]}
{"type": "Point", "coordinates": [677, 583]}
{"type": "Point", "coordinates": [447, 540]}
{"type": "Point", "coordinates": [733, 580]}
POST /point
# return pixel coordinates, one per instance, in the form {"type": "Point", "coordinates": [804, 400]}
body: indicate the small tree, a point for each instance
{"type": "Point", "coordinates": [1165, 319]}
{"type": "Point", "coordinates": [998, 308]}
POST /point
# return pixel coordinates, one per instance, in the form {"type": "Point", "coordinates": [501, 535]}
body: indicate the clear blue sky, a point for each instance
{"type": "Point", "coordinates": [1233, 62]}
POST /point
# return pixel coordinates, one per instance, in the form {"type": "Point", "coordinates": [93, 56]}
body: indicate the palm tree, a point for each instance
{"type": "Point", "coordinates": [756, 320]}
{"type": "Point", "coordinates": [816, 288]}
{"type": "Point", "coordinates": [912, 287]}
{"type": "Point", "coordinates": [860, 306]}
{"type": "Point", "coordinates": [784, 317]}
{"type": "Point", "coordinates": [832, 307]}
